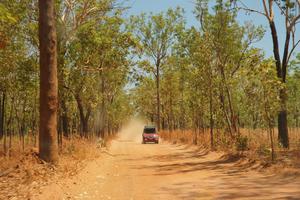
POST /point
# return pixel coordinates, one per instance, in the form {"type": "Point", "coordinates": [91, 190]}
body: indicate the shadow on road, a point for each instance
{"type": "Point", "coordinates": [198, 174]}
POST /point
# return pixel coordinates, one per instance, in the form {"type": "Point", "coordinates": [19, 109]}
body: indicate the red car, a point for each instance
{"type": "Point", "coordinates": [150, 135]}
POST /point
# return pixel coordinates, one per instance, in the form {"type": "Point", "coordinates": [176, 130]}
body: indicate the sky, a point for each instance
{"type": "Point", "coordinates": [139, 6]}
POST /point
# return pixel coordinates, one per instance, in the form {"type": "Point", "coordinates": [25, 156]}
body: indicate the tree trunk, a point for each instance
{"type": "Point", "coordinates": [158, 94]}
{"type": "Point", "coordinates": [84, 118]}
{"type": "Point", "coordinates": [211, 120]}
{"type": "Point", "coordinates": [233, 127]}
{"type": "Point", "coordinates": [1, 124]}
{"type": "Point", "coordinates": [163, 123]}
{"type": "Point", "coordinates": [85, 127]}
{"type": "Point", "coordinates": [281, 73]}
{"type": "Point", "coordinates": [211, 112]}
{"type": "Point", "coordinates": [59, 133]}
{"type": "Point", "coordinates": [61, 49]}
{"type": "Point", "coordinates": [48, 149]}
{"type": "Point", "coordinates": [2, 114]}
{"type": "Point", "coordinates": [297, 120]}
{"type": "Point", "coordinates": [65, 119]}
{"type": "Point", "coordinates": [3, 133]}
{"type": "Point", "coordinates": [282, 121]}
{"type": "Point", "coordinates": [223, 107]}
{"type": "Point", "coordinates": [23, 126]}
{"type": "Point", "coordinates": [102, 110]}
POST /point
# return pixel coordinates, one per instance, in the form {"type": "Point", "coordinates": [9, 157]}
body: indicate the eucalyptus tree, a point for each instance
{"type": "Point", "coordinates": [231, 43]}
{"type": "Point", "coordinates": [143, 98]}
{"type": "Point", "coordinates": [289, 10]}
{"type": "Point", "coordinates": [170, 94]}
{"type": "Point", "coordinates": [203, 71]}
{"type": "Point", "coordinates": [157, 35]}
{"type": "Point", "coordinates": [260, 90]}
{"type": "Point", "coordinates": [98, 64]}
{"type": "Point", "coordinates": [72, 16]}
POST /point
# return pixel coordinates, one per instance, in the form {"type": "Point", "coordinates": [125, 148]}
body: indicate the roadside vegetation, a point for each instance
{"type": "Point", "coordinates": [92, 70]}
{"type": "Point", "coordinates": [76, 100]}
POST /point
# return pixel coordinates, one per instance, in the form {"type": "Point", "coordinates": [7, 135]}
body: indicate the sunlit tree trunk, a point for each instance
{"type": "Point", "coordinates": [158, 93]}
{"type": "Point", "coordinates": [48, 149]}
{"type": "Point", "coordinates": [2, 111]}
{"type": "Point", "coordinates": [61, 51]}
{"type": "Point", "coordinates": [2, 118]}
{"type": "Point", "coordinates": [211, 118]}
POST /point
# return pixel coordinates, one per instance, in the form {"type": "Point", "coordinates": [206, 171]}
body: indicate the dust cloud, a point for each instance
{"type": "Point", "coordinates": [132, 130]}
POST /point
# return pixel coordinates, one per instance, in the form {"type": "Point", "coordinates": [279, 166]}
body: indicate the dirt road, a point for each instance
{"type": "Point", "coordinates": [133, 171]}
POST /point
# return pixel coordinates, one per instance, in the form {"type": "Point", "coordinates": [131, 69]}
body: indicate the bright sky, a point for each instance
{"type": "Point", "coordinates": [139, 6]}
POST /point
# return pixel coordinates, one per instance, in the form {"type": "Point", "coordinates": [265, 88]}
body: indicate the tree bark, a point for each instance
{"type": "Point", "coordinates": [62, 93]}
{"type": "Point", "coordinates": [283, 137]}
{"type": "Point", "coordinates": [84, 118]}
{"type": "Point", "coordinates": [281, 74]}
{"type": "Point", "coordinates": [103, 105]}
{"type": "Point", "coordinates": [230, 105]}
{"type": "Point", "coordinates": [48, 149]}
{"type": "Point", "coordinates": [65, 119]}
{"type": "Point", "coordinates": [211, 120]}
{"type": "Point", "coordinates": [158, 94]}
{"type": "Point", "coordinates": [2, 114]}
{"type": "Point", "coordinates": [3, 133]}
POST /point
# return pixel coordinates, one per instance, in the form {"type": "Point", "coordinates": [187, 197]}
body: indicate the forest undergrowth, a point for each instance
{"type": "Point", "coordinates": [251, 146]}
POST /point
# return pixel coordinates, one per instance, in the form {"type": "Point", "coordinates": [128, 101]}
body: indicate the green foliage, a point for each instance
{"type": "Point", "coordinates": [96, 65]}
{"type": "Point", "coordinates": [293, 87]}
{"type": "Point", "coordinates": [5, 15]}
{"type": "Point", "coordinates": [156, 32]}
{"type": "Point", "coordinates": [242, 143]}
{"type": "Point", "coordinates": [264, 150]}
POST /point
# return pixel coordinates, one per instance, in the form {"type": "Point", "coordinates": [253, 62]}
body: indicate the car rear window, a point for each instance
{"type": "Point", "coordinates": [149, 130]}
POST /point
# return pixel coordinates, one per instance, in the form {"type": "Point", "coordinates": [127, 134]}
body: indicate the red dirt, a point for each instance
{"type": "Point", "coordinates": [134, 171]}
{"type": "Point", "coordinates": [131, 170]}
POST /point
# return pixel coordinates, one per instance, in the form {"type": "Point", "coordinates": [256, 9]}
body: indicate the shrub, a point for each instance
{"type": "Point", "coordinates": [242, 143]}
{"type": "Point", "coordinates": [263, 150]}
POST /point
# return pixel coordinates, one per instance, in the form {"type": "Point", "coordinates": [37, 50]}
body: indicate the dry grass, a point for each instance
{"type": "Point", "coordinates": [187, 137]}
{"type": "Point", "coordinates": [22, 173]}
{"type": "Point", "coordinates": [255, 144]}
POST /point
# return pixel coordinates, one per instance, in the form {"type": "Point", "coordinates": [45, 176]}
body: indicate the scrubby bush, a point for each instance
{"type": "Point", "coordinates": [242, 143]}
